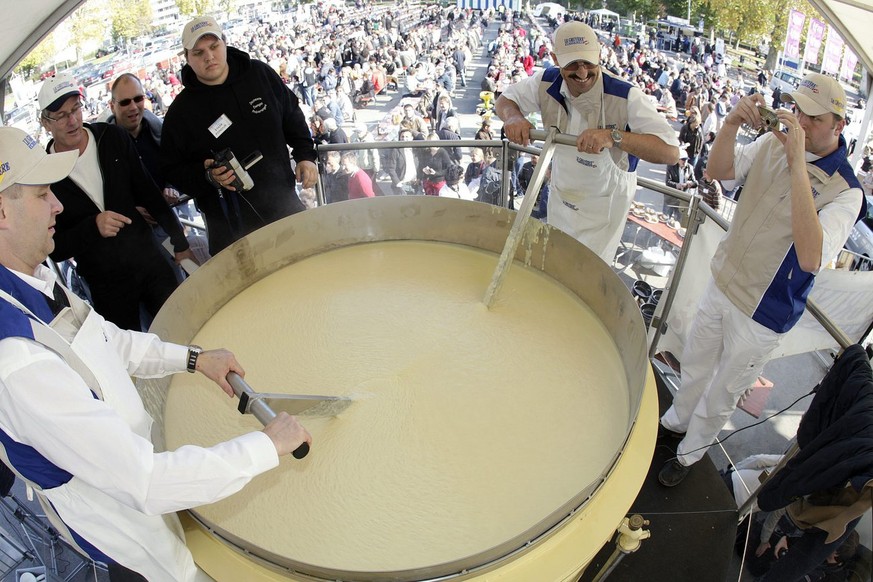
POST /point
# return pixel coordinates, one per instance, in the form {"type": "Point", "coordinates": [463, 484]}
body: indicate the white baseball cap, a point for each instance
{"type": "Point", "coordinates": [23, 161]}
{"type": "Point", "coordinates": [818, 94]}
{"type": "Point", "coordinates": [200, 26]}
{"type": "Point", "coordinates": [55, 91]}
{"type": "Point", "coordinates": [576, 41]}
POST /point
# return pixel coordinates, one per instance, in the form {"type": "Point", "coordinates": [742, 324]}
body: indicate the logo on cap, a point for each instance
{"type": "Point", "coordinates": [61, 86]}
{"type": "Point", "coordinates": [575, 40]}
{"type": "Point", "coordinates": [200, 25]}
{"type": "Point", "coordinates": [809, 85]}
{"type": "Point", "coordinates": [4, 167]}
{"type": "Point", "coordinates": [30, 142]}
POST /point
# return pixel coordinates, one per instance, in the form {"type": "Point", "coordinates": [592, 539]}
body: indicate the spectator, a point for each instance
{"type": "Point", "coordinates": [710, 191]}
{"type": "Point", "coordinates": [233, 102]}
{"type": "Point", "coordinates": [691, 137]}
{"type": "Point", "coordinates": [335, 134]}
{"type": "Point", "coordinates": [433, 164]}
{"type": "Point", "coordinates": [455, 186]}
{"type": "Point", "coordinates": [368, 159]}
{"type": "Point", "coordinates": [359, 183]}
{"type": "Point", "coordinates": [451, 132]}
{"type": "Point", "coordinates": [334, 179]}
{"type": "Point", "coordinates": [400, 165]}
{"type": "Point", "coordinates": [114, 248]}
{"type": "Point", "coordinates": [681, 177]}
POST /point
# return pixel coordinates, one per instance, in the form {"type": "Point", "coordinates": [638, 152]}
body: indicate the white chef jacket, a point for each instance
{"type": "Point", "coordinates": [585, 112]}
{"type": "Point", "coordinates": [120, 486]}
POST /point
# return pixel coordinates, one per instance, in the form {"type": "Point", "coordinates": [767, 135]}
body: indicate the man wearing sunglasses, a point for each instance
{"type": "Point", "coordinates": [128, 107]}
{"type": "Point", "coordinates": [129, 112]}
{"type": "Point", "coordinates": [113, 246]}
{"type": "Point", "coordinates": [592, 188]}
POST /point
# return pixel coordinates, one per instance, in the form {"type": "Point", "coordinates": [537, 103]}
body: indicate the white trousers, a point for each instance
{"type": "Point", "coordinates": [724, 353]}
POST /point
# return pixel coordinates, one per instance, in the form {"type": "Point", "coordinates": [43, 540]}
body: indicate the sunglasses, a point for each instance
{"type": "Point", "coordinates": [126, 102]}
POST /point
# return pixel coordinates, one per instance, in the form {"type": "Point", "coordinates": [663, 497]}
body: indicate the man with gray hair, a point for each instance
{"type": "Point", "coordinates": [101, 228]}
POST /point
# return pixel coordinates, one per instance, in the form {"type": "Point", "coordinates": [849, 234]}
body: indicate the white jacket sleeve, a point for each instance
{"type": "Point", "coordinates": [45, 405]}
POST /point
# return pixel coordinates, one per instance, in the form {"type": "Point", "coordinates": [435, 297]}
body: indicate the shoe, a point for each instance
{"type": "Point", "coordinates": [665, 433]}
{"type": "Point", "coordinates": [672, 473]}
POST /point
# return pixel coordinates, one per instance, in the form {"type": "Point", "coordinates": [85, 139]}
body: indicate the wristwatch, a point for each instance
{"type": "Point", "coordinates": [616, 138]}
{"type": "Point", "coordinates": [193, 352]}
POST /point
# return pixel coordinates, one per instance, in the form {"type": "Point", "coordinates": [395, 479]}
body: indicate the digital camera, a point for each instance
{"type": "Point", "coordinates": [769, 118]}
{"type": "Point", "coordinates": [227, 160]}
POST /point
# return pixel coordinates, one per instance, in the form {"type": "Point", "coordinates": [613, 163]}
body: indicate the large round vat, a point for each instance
{"type": "Point", "coordinates": [503, 444]}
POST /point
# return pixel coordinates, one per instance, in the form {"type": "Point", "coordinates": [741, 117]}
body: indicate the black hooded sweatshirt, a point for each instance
{"type": "Point", "coordinates": [263, 115]}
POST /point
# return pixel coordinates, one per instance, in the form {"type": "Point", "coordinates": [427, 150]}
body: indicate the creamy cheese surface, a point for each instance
{"type": "Point", "coordinates": [468, 425]}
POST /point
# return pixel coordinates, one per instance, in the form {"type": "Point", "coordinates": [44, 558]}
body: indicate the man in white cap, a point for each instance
{"type": "Point", "coordinates": [234, 102]}
{"type": "Point", "coordinates": [102, 229]}
{"type": "Point", "coordinates": [592, 188]}
{"type": "Point", "coordinates": [72, 424]}
{"type": "Point", "coordinates": [800, 200]}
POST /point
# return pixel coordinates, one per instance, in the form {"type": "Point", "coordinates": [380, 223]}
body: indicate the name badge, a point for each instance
{"type": "Point", "coordinates": [220, 125]}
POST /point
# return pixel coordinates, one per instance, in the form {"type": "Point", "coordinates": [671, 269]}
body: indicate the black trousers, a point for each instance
{"type": "Point", "coordinates": [117, 297]}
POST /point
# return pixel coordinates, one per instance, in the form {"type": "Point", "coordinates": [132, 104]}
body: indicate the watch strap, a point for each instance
{"type": "Point", "coordinates": [193, 353]}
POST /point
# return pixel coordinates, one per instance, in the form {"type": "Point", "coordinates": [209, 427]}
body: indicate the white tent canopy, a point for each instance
{"type": "Point", "coordinates": [604, 13]}
{"type": "Point", "coordinates": [25, 24]}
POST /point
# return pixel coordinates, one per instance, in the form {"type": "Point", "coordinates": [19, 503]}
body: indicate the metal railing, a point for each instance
{"type": "Point", "coordinates": [698, 211]}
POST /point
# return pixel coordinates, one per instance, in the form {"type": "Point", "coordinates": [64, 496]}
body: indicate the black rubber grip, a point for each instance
{"type": "Point", "coordinates": [301, 451]}
{"type": "Point", "coordinates": [243, 402]}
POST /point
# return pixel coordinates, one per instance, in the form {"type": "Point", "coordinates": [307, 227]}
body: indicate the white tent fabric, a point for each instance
{"type": "Point", "coordinates": [25, 24]}
{"type": "Point", "coordinates": [603, 12]}
{"type": "Point", "coordinates": [843, 295]}
{"type": "Point", "coordinates": [853, 19]}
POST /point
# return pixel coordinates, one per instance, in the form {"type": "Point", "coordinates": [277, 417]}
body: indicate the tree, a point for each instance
{"type": "Point", "coordinates": [194, 7]}
{"type": "Point", "coordinates": [752, 20]}
{"type": "Point", "coordinates": [88, 23]}
{"type": "Point", "coordinates": [642, 9]}
{"type": "Point", "coordinates": [130, 19]}
{"type": "Point", "coordinates": [226, 6]}
{"type": "Point", "coordinates": [43, 54]}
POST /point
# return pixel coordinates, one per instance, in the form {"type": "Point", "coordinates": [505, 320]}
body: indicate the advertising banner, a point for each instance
{"type": "Point", "coordinates": [833, 52]}
{"type": "Point", "coordinates": [850, 59]}
{"type": "Point", "coordinates": [814, 36]}
{"type": "Point", "coordinates": [792, 38]}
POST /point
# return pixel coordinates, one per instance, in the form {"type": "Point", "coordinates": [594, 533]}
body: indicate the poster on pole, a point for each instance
{"type": "Point", "coordinates": [814, 36]}
{"type": "Point", "coordinates": [792, 38]}
{"type": "Point", "coordinates": [850, 59]}
{"type": "Point", "coordinates": [832, 53]}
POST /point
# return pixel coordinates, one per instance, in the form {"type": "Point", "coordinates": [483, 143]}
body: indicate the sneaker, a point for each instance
{"type": "Point", "coordinates": [665, 433]}
{"type": "Point", "coordinates": [672, 473]}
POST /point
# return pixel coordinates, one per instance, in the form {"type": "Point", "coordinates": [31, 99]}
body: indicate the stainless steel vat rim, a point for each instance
{"type": "Point", "coordinates": [420, 218]}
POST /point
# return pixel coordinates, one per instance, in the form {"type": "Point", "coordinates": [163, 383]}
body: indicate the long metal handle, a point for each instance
{"type": "Point", "coordinates": [560, 138]}
{"type": "Point", "coordinates": [521, 218]}
{"type": "Point", "coordinates": [257, 407]}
